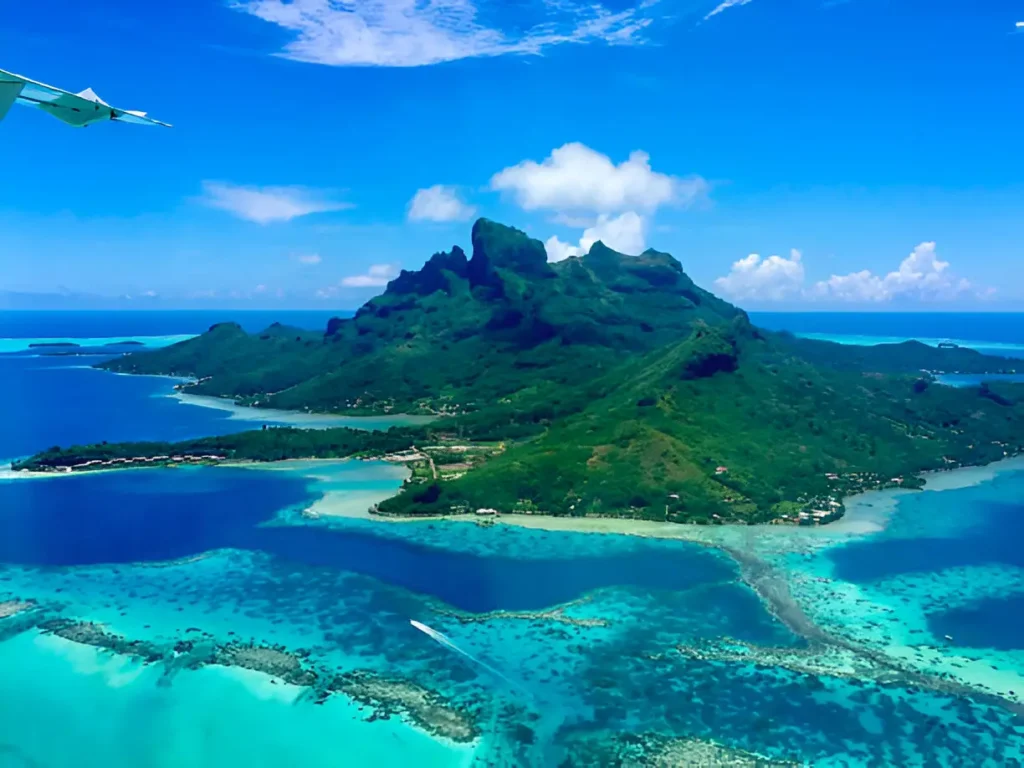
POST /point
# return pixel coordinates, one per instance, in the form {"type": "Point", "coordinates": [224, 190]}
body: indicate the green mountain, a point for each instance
{"type": "Point", "coordinates": [729, 425]}
{"type": "Point", "coordinates": [619, 386]}
{"type": "Point", "coordinates": [458, 334]}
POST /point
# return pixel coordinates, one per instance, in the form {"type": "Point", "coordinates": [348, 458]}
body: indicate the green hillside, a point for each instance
{"type": "Point", "coordinates": [457, 334]}
{"type": "Point", "coordinates": [618, 386]}
{"type": "Point", "coordinates": [727, 425]}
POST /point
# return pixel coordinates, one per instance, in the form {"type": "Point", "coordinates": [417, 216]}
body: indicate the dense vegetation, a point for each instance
{"type": "Point", "coordinates": [697, 434]}
{"type": "Point", "coordinates": [274, 444]}
{"type": "Point", "coordinates": [621, 387]}
{"type": "Point", "coordinates": [457, 335]}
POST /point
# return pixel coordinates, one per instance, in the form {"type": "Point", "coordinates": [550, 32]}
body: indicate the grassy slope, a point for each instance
{"type": "Point", "coordinates": [777, 422]}
{"type": "Point", "coordinates": [632, 383]}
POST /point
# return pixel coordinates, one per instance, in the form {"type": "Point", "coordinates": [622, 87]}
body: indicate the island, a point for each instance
{"type": "Point", "coordinates": [601, 385]}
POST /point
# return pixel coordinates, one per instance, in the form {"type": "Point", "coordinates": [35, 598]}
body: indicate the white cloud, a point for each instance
{"type": "Point", "coordinates": [773, 278]}
{"type": "Point", "coordinates": [309, 259]}
{"type": "Point", "coordinates": [439, 203]}
{"type": "Point", "coordinates": [575, 177]}
{"type": "Point", "coordinates": [558, 250]}
{"type": "Point", "coordinates": [857, 287]}
{"type": "Point", "coordinates": [264, 205]}
{"type": "Point", "coordinates": [376, 276]}
{"type": "Point", "coordinates": [412, 33]}
{"type": "Point", "coordinates": [726, 5]}
{"type": "Point", "coordinates": [921, 276]}
{"type": "Point", "coordinates": [576, 222]}
{"type": "Point", "coordinates": [624, 233]}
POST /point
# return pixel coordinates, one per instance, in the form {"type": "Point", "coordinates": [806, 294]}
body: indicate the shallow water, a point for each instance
{"type": "Point", "coordinates": [148, 722]}
{"type": "Point", "coordinates": [939, 535]}
{"type": "Point", "coordinates": [350, 606]}
{"type": "Point", "coordinates": [37, 343]}
{"type": "Point", "coordinates": [603, 635]}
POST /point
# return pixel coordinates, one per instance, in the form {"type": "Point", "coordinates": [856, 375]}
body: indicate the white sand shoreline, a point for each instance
{"type": "Point", "coordinates": [300, 419]}
{"type": "Point", "coordinates": [867, 513]}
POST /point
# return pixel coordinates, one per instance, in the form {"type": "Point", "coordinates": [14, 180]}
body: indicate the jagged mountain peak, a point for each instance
{"type": "Point", "coordinates": [497, 246]}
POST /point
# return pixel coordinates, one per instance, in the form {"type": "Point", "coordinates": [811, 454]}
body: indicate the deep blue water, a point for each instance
{"type": "Point", "coordinates": [994, 327]}
{"type": "Point", "coordinates": [153, 516]}
{"type": "Point", "coordinates": [991, 623]}
{"type": "Point", "coordinates": [51, 401]}
{"type": "Point", "coordinates": [977, 526]}
{"type": "Point", "coordinates": [98, 324]}
{"type": "Point", "coordinates": [998, 327]}
{"type": "Point", "coordinates": [145, 516]}
{"type": "Point", "coordinates": [136, 516]}
{"type": "Point", "coordinates": [997, 333]}
{"type": "Point", "coordinates": [47, 401]}
{"type": "Point", "coordinates": [156, 515]}
{"type": "Point", "coordinates": [997, 541]}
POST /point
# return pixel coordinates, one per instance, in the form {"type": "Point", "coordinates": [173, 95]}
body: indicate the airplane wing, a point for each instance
{"type": "Point", "coordinates": [76, 109]}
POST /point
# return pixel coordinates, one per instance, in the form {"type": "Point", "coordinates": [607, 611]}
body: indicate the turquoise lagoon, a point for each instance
{"type": "Point", "coordinates": [582, 630]}
{"type": "Point", "coordinates": [571, 637]}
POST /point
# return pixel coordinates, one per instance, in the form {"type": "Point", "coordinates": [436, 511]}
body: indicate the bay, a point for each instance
{"type": "Point", "coordinates": [582, 629]}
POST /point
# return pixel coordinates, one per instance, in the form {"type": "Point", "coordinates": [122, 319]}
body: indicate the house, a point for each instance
{"type": "Point", "coordinates": [721, 470]}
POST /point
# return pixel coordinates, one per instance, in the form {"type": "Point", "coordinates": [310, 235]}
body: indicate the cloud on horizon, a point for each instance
{"type": "Point", "coordinates": [376, 276]}
{"type": "Point", "coordinates": [772, 279]}
{"type": "Point", "coordinates": [414, 33]}
{"type": "Point", "coordinates": [921, 276]}
{"type": "Point", "coordinates": [265, 205]}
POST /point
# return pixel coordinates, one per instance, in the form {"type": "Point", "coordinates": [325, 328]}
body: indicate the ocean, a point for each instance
{"type": "Point", "coordinates": [994, 333]}
{"type": "Point", "coordinates": [565, 645]}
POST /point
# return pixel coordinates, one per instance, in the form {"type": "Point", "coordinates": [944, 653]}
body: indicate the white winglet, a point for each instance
{"type": "Point", "coordinates": [76, 109]}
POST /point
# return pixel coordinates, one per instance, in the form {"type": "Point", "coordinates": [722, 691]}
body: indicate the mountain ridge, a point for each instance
{"type": "Point", "coordinates": [620, 388]}
{"type": "Point", "coordinates": [506, 308]}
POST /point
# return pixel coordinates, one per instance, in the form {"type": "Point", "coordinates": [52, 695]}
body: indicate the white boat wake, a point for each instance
{"type": "Point", "coordinates": [447, 643]}
{"type": "Point", "coordinates": [544, 747]}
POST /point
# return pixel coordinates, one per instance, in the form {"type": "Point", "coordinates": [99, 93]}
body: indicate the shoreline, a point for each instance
{"type": "Point", "coordinates": [298, 419]}
{"type": "Point", "coordinates": [867, 512]}
{"type": "Point", "coordinates": [276, 416]}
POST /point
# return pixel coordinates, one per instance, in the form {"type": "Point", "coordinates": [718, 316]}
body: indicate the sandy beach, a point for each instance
{"type": "Point", "coordinates": [866, 513]}
{"type": "Point", "coordinates": [297, 418]}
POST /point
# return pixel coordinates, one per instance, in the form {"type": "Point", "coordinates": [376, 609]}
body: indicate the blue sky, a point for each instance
{"type": "Point", "coordinates": [793, 154]}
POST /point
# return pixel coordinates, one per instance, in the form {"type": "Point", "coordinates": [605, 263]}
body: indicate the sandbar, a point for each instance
{"type": "Point", "coordinates": [299, 419]}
